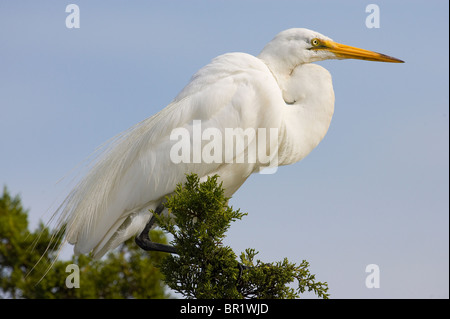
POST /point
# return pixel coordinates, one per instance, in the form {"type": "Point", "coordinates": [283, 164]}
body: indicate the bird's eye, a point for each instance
{"type": "Point", "coordinates": [315, 42]}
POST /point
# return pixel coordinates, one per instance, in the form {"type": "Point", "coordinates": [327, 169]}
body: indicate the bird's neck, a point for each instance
{"type": "Point", "coordinates": [281, 68]}
{"type": "Point", "coordinates": [306, 116]}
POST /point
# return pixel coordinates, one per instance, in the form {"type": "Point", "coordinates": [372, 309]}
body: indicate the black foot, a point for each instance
{"type": "Point", "coordinates": [144, 241]}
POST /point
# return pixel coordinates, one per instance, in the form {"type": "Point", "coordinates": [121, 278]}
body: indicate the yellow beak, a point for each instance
{"type": "Point", "coordinates": [343, 51]}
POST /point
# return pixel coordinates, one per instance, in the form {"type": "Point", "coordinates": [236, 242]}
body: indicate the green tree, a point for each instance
{"type": "Point", "coordinates": [25, 258]}
{"type": "Point", "coordinates": [198, 219]}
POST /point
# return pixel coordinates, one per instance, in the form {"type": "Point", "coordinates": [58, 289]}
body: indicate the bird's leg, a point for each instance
{"type": "Point", "coordinates": [241, 268]}
{"type": "Point", "coordinates": [143, 240]}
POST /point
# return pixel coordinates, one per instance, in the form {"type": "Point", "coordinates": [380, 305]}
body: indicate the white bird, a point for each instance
{"type": "Point", "coordinates": [278, 89]}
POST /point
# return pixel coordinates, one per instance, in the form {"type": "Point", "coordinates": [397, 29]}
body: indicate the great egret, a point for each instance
{"type": "Point", "coordinates": [279, 89]}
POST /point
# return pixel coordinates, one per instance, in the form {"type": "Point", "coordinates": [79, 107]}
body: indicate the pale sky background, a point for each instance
{"type": "Point", "coordinates": [375, 191]}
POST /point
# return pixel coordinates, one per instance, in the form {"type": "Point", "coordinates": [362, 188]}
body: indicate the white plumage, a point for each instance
{"type": "Point", "coordinates": [278, 89]}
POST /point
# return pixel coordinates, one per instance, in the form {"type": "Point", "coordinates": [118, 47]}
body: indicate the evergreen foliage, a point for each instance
{"type": "Point", "coordinates": [198, 219]}
{"type": "Point", "coordinates": [25, 258]}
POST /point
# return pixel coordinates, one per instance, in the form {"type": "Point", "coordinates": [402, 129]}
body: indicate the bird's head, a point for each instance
{"type": "Point", "coordinates": [293, 47]}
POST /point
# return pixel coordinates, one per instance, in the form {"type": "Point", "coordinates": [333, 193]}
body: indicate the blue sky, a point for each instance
{"type": "Point", "coordinates": [375, 191]}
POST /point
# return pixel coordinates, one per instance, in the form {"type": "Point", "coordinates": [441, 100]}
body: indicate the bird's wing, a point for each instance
{"type": "Point", "coordinates": [136, 171]}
